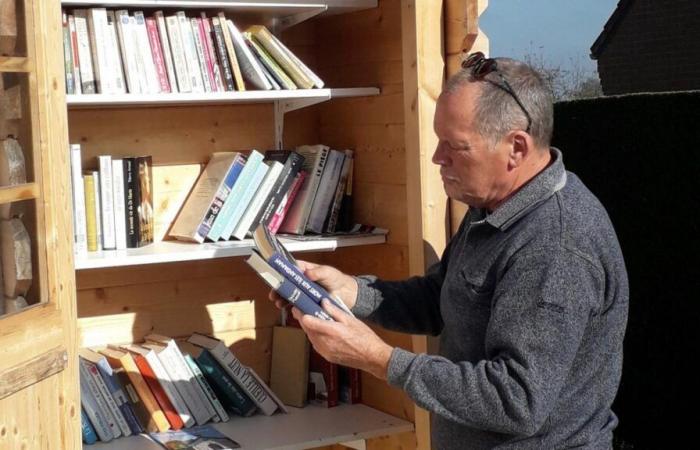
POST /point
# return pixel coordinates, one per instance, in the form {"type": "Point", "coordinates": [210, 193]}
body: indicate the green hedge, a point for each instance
{"type": "Point", "coordinates": [640, 154]}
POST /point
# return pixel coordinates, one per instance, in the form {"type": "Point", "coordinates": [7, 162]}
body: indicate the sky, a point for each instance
{"type": "Point", "coordinates": [560, 31]}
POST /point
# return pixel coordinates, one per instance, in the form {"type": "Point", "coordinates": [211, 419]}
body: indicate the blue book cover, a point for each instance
{"type": "Point", "coordinates": [120, 398]}
{"type": "Point", "coordinates": [244, 200]}
{"type": "Point", "coordinates": [242, 182]}
{"type": "Point", "coordinates": [89, 436]}
{"type": "Point", "coordinates": [221, 196]}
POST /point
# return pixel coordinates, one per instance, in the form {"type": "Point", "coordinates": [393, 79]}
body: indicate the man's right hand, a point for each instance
{"type": "Point", "coordinates": [333, 280]}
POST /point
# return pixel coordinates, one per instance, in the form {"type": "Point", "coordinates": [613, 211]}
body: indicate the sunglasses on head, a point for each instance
{"type": "Point", "coordinates": [480, 66]}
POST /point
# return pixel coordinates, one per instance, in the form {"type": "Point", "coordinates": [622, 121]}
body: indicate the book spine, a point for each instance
{"type": "Point", "coordinates": [139, 55]}
{"type": "Point", "coordinates": [97, 24]}
{"type": "Point", "coordinates": [304, 68]}
{"type": "Point", "coordinates": [211, 48]}
{"type": "Point", "coordinates": [183, 77]}
{"type": "Point", "coordinates": [248, 383]}
{"type": "Point", "coordinates": [299, 213]}
{"type": "Point", "coordinates": [298, 298]}
{"type": "Point", "coordinates": [165, 49]}
{"type": "Point", "coordinates": [67, 55]}
{"type": "Point", "coordinates": [208, 391]}
{"type": "Point", "coordinates": [130, 198]}
{"type": "Point", "coordinates": [265, 38]}
{"type": "Point", "coordinates": [115, 58]}
{"type": "Point", "coordinates": [191, 59]}
{"type": "Point", "coordinates": [170, 389]}
{"type": "Point", "coordinates": [79, 216]}
{"type": "Point", "coordinates": [237, 402]}
{"type": "Point", "coordinates": [146, 53]}
{"type": "Point", "coordinates": [196, 25]}
{"type": "Point", "coordinates": [210, 55]}
{"type": "Point", "coordinates": [111, 401]}
{"type": "Point", "coordinates": [250, 67]}
{"type": "Point", "coordinates": [141, 413]}
{"type": "Point", "coordinates": [98, 208]}
{"type": "Point", "coordinates": [87, 430]}
{"type": "Point", "coordinates": [268, 62]}
{"type": "Point", "coordinates": [84, 53]}
{"type": "Point", "coordinates": [235, 66]}
{"type": "Point", "coordinates": [159, 394]}
{"type": "Point", "coordinates": [90, 212]}
{"type": "Point", "coordinates": [75, 58]}
{"type": "Point", "coordinates": [221, 52]}
{"type": "Point", "coordinates": [92, 378]}
{"type": "Point", "coordinates": [286, 203]}
{"type": "Point", "coordinates": [325, 192]}
{"type": "Point", "coordinates": [157, 50]}
{"type": "Point", "coordinates": [92, 409]}
{"type": "Point", "coordinates": [340, 192]}
{"type": "Point", "coordinates": [291, 168]}
{"type": "Point", "coordinates": [118, 395]}
{"type": "Point", "coordinates": [107, 202]}
{"type": "Point", "coordinates": [220, 198]}
{"type": "Point", "coordinates": [119, 203]}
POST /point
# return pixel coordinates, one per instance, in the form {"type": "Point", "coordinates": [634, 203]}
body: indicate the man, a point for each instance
{"type": "Point", "coordinates": [530, 297]}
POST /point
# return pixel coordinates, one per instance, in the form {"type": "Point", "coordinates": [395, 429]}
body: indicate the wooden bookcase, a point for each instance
{"type": "Point", "coordinates": [383, 61]}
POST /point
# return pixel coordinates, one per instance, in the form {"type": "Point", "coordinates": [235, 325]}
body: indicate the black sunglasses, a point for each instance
{"type": "Point", "coordinates": [480, 66]}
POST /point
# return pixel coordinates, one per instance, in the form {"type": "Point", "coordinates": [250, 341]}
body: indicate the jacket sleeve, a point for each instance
{"type": "Point", "coordinates": [539, 314]}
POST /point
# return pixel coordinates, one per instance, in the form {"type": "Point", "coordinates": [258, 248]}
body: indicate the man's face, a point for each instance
{"type": "Point", "coordinates": [472, 172]}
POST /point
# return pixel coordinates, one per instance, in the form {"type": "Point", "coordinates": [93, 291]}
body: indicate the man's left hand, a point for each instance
{"type": "Point", "coordinates": [347, 341]}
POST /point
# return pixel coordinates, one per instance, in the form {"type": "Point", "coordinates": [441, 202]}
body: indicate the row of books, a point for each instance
{"type": "Point", "coordinates": [163, 385]}
{"type": "Point", "coordinates": [112, 206]}
{"type": "Point", "coordinates": [289, 191]}
{"type": "Point", "coordinates": [115, 52]}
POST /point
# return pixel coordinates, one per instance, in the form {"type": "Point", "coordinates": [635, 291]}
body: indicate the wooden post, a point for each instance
{"type": "Point", "coordinates": [8, 27]}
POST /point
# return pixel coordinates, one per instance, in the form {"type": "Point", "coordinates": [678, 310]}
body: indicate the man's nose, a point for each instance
{"type": "Point", "coordinates": [439, 157]}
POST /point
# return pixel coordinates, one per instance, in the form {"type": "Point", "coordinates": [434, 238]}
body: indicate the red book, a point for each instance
{"type": "Point", "coordinates": [157, 51]}
{"type": "Point", "coordinates": [207, 53]}
{"type": "Point", "coordinates": [286, 203]}
{"type": "Point", "coordinates": [158, 392]}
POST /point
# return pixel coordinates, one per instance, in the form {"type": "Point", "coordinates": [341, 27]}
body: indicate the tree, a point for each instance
{"type": "Point", "coordinates": [572, 83]}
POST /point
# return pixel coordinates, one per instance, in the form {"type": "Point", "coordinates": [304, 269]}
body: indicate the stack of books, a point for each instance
{"type": "Point", "coordinates": [112, 206]}
{"type": "Point", "coordinates": [296, 192]}
{"type": "Point", "coordinates": [162, 385]}
{"type": "Point", "coordinates": [117, 52]}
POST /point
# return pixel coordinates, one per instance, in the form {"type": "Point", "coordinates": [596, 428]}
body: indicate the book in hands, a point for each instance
{"type": "Point", "coordinates": [281, 266]}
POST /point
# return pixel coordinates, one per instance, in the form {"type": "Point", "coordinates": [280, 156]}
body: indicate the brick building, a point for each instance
{"type": "Point", "coordinates": [650, 46]}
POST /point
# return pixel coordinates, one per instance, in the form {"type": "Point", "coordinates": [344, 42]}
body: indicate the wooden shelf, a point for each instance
{"type": "Point", "coordinates": [14, 64]}
{"type": "Point", "coordinates": [160, 100]}
{"type": "Point", "coordinates": [268, 8]}
{"type": "Point", "coordinates": [18, 193]}
{"type": "Point", "coordinates": [302, 428]}
{"type": "Point", "coordinates": [174, 251]}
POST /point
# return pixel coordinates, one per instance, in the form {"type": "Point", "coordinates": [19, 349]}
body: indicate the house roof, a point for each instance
{"type": "Point", "coordinates": [609, 29]}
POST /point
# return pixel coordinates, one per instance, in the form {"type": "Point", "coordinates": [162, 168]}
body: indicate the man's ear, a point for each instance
{"type": "Point", "coordinates": [520, 145]}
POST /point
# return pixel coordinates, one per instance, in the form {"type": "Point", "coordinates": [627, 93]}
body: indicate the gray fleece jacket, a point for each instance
{"type": "Point", "coordinates": [530, 303]}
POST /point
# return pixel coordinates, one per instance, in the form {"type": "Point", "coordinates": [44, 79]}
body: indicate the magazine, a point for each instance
{"type": "Point", "coordinates": [203, 437]}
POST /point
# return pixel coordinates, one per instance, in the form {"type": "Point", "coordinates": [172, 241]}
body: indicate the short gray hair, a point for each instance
{"type": "Point", "coordinates": [497, 113]}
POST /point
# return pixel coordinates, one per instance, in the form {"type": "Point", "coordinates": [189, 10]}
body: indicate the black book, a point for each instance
{"type": "Point", "coordinates": [145, 203]}
{"type": "Point", "coordinates": [132, 199]}
{"type": "Point", "coordinates": [292, 165]}
{"type": "Point", "coordinates": [218, 31]}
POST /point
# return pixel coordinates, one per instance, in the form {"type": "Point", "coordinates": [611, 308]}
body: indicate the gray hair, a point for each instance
{"type": "Point", "coordinates": [497, 113]}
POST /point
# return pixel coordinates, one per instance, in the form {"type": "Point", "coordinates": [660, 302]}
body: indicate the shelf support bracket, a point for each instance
{"type": "Point", "coordinates": [284, 106]}
{"type": "Point", "coordinates": [359, 444]}
{"type": "Point", "coordinates": [283, 23]}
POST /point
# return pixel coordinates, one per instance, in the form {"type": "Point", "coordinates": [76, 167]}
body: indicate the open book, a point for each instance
{"type": "Point", "coordinates": [280, 271]}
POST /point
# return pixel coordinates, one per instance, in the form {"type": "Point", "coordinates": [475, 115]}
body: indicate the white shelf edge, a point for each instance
{"type": "Point", "coordinates": [259, 6]}
{"type": "Point", "coordinates": [292, 431]}
{"type": "Point", "coordinates": [173, 251]}
{"type": "Point", "coordinates": [176, 99]}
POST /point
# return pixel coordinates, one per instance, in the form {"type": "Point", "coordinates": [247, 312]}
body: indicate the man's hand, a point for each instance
{"type": "Point", "coordinates": [333, 280]}
{"type": "Point", "coordinates": [347, 341]}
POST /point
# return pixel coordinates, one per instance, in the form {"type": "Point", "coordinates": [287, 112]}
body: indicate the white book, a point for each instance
{"type": "Point", "coordinates": [115, 57]}
{"type": "Point", "coordinates": [165, 47]}
{"type": "Point", "coordinates": [98, 210]}
{"type": "Point", "coordinates": [326, 192]}
{"type": "Point", "coordinates": [87, 76]}
{"type": "Point", "coordinates": [119, 203]}
{"type": "Point", "coordinates": [191, 58]}
{"type": "Point", "coordinates": [128, 51]}
{"type": "Point", "coordinates": [144, 46]}
{"type": "Point", "coordinates": [275, 168]}
{"type": "Point", "coordinates": [250, 67]}
{"type": "Point", "coordinates": [250, 384]}
{"type": "Point", "coordinates": [79, 217]}
{"type": "Point", "coordinates": [92, 409]}
{"type": "Point", "coordinates": [244, 200]}
{"type": "Point", "coordinates": [201, 54]}
{"type": "Point", "coordinates": [193, 394]}
{"type": "Point", "coordinates": [177, 47]}
{"type": "Point", "coordinates": [74, 48]}
{"type": "Point", "coordinates": [109, 399]}
{"type": "Point", "coordinates": [107, 202]}
{"type": "Point", "coordinates": [97, 26]}
{"type": "Point", "coordinates": [91, 378]}
{"type": "Point", "coordinates": [314, 162]}
{"type": "Point", "coordinates": [221, 414]}
{"type": "Point", "coordinates": [140, 63]}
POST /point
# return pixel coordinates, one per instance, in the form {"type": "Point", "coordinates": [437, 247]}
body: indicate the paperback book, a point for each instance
{"type": "Point", "coordinates": [195, 438]}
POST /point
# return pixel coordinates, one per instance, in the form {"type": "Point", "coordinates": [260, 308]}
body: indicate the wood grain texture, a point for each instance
{"type": "Point", "coordinates": [16, 378]}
